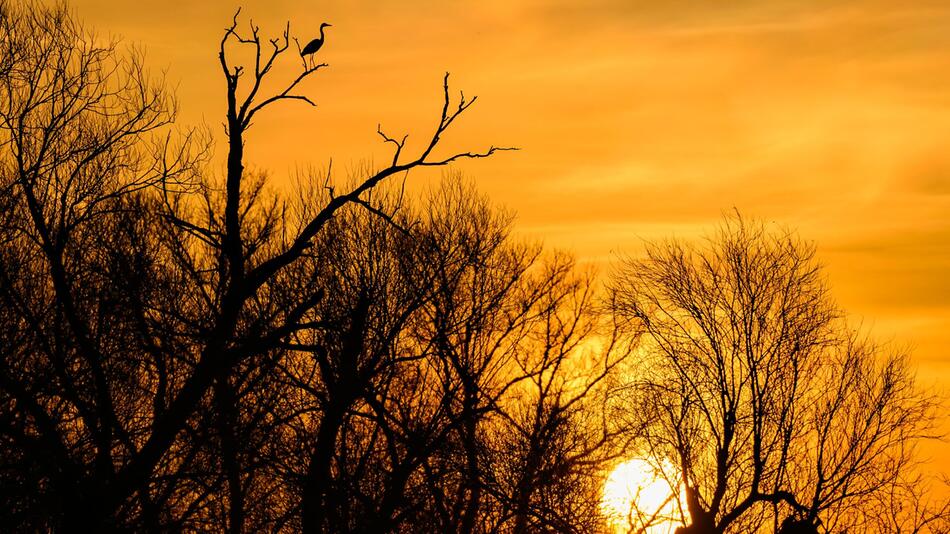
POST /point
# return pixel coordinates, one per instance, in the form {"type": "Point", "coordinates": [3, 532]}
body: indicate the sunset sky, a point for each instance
{"type": "Point", "coordinates": [635, 119]}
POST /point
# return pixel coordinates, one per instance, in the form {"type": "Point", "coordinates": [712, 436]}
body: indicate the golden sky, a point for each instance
{"type": "Point", "coordinates": [636, 119]}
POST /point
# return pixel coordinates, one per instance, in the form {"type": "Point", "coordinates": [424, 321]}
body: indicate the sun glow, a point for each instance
{"type": "Point", "coordinates": [639, 497]}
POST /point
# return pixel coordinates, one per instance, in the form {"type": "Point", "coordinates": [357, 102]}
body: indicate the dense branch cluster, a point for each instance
{"type": "Point", "coordinates": [186, 352]}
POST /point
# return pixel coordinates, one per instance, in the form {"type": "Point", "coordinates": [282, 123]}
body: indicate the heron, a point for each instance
{"type": "Point", "coordinates": [314, 45]}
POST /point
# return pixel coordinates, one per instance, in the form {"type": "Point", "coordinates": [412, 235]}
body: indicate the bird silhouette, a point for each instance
{"type": "Point", "coordinates": [314, 45]}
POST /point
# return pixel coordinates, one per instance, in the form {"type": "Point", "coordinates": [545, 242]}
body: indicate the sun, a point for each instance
{"type": "Point", "coordinates": [639, 497]}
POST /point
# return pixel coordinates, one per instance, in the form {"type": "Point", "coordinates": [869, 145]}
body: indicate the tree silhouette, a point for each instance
{"type": "Point", "coordinates": [146, 394]}
{"type": "Point", "coordinates": [183, 351]}
{"type": "Point", "coordinates": [776, 414]}
{"type": "Point", "coordinates": [83, 135]}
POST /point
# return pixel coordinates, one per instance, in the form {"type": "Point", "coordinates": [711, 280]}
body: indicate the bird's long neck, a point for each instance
{"type": "Point", "coordinates": [321, 33]}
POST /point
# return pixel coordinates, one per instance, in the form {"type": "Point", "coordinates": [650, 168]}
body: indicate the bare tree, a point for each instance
{"type": "Point", "coordinates": [153, 382]}
{"type": "Point", "coordinates": [558, 432]}
{"type": "Point", "coordinates": [771, 411]}
{"type": "Point", "coordinates": [84, 131]}
{"type": "Point", "coordinates": [455, 384]}
{"type": "Point", "coordinates": [249, 271]}
{"type": "Point", "coordinates": [186, 352]}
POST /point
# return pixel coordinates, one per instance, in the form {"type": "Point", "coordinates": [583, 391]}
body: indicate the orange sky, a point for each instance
{"type": "Point", "coordinates": [636, 119]}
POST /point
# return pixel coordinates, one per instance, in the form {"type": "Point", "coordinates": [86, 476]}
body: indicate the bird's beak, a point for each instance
{"type": "Point", "coordinates": [329, 25]}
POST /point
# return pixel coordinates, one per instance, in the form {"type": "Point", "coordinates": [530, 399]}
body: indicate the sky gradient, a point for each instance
{"type": "Point", "coordinates": [635, 119]}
